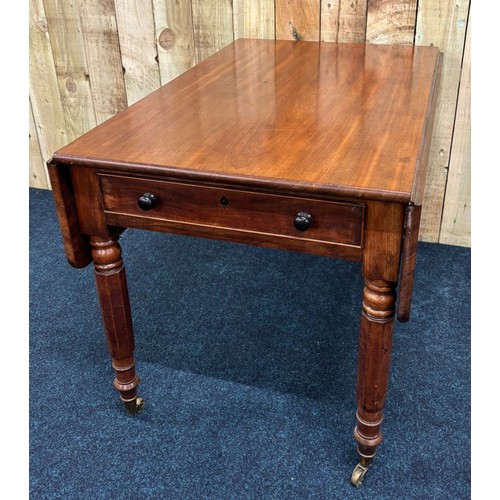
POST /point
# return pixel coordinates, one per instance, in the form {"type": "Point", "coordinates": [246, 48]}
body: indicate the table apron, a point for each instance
{"type": "Point", "coordinates": [264, 219]}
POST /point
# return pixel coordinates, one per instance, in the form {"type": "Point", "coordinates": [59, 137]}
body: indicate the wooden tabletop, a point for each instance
{"type": "Point", "coordinates": [346, 119]}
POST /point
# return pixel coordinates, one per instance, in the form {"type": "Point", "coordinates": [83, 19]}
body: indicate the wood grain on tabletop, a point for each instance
{"type": "Point", "coordinates": [325, 114]}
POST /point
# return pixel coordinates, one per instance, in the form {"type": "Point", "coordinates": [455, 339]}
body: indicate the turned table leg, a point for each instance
{"type": "Point", "coordinates": [115, 308]}
{"type": "Point", "coordinates": [375, 342]}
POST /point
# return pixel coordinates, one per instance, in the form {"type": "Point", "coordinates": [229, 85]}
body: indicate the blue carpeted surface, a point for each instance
{"type": "Point", "coordinates": [248, 365]}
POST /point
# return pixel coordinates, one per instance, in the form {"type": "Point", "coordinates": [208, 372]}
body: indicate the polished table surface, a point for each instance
{"type": "Point", "coordinates": [304, 146]}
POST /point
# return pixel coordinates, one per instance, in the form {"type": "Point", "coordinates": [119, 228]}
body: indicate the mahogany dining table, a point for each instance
{"type": "Point", "coordinates": [312, 147]}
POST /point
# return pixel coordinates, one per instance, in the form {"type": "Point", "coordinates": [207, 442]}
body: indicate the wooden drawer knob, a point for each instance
{"type": "Point", "coordinates": [147, 201]}
{"type": "Point", "coordinates": [303, 221]}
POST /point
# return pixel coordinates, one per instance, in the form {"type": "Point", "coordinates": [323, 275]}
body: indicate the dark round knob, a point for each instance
{"type": "Point", "coordinates": [147, 201]}
{"type": "Point", "coordinates": [303, 221]}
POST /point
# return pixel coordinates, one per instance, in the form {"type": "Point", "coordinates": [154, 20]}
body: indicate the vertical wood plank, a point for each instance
{"type": "Point", "coordinates": [174, 37]}
{"type": "Point", "coordinates": [70, 61]}
{"type": "Point", "coordinates": [442, 24]}
{"type": "Point", "coordinates": [297, 19]}
{"type": "Point", "coordinates": [253, 19]}
{"type": "Point", "coordinates": [136, 32]}
{"type": "Point", "coordinates": [102, 47]}
{"type": "Point", "coordinates": [44, 93]}
{"type": "Point", "coordinates": [213, 26]}
{"type": "Point", "coordinates": [456, 224]}
{"type": "Point", "coordinates": [38, 177]}
{"type": "Point", "coordinates": [391, 22]}
{"type": "Point", "coordinates": [343, 21]}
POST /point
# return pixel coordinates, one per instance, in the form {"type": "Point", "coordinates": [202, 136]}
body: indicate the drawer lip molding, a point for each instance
{"type": "Point", "coordinates": [192, 208]}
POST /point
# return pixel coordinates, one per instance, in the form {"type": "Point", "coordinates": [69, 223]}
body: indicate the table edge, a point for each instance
{"type": "Point", "coordinates": [241, 181]}
{"type": "Point", "coordinates": [421, 167]}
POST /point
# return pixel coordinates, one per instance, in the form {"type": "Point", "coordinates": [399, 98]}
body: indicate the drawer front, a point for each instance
{"type": "Point", "coordinates": [265, 214]}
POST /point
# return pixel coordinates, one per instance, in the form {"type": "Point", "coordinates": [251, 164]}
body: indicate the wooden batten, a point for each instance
{"type": "Point", "coordinates": [297, 20]}
{"type": "Point", "coordinates": [391, 22]}
{"type": "Point", "coordinates": [72, 71]}
{"type": "Point", "coordinates": [46, 103]}
{"type": "Point", "coordinates": [442, 24]}
{"type": "Point", "coordinates": [38, 178]}
{"type": "Point", "coordinates": [102, 47]}
{"type": "Point", "coordinates": [456, 223]}
{"type": "Point", "coordinates": [137, 47]}
{"type": "Point", "coordinates": [254, 19]}
{"type": "Point", "coordinates": [343, 22]}
{"type": "Point", "coordinates": [212, 26]}
{"type": "Point", "coordinates": [174, 37]}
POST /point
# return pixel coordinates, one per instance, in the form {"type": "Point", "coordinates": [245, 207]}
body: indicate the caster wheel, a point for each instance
{"type": "Point", "coordinates": [358, 474]}
{"type": "Point", "coordinates": [135, 406]}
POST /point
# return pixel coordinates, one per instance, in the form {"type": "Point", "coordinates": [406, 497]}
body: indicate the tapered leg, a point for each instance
{"type": "Point", "coordinates": [115, 308]}
{"type": "Point", "coordinates": [375, 343]}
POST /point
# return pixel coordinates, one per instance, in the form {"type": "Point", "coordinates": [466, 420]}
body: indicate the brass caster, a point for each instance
{"type": "Point", "coordinates": [359, 473]}
{"type": "Point", "coordinates": [135, 406]}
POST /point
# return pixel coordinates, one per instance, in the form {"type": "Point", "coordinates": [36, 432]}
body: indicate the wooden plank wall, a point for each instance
{"type": "Point", "coordinates": [91, 58]}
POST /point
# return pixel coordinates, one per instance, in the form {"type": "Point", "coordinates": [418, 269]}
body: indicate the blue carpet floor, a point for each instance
{"type": "Point", "coordinates": [248, 365]}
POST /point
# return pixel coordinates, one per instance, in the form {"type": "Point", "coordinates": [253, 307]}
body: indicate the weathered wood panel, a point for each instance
{"type": "Point", "coordinates": [442, 24]}
{"type": "Point", "coordinates": [391, 22]}
{"type": "Point", "coordinates": [343, 21]}
{"type": "Point", "coordinates": [63, 19]}
{"type": "Point", "coordinates": [136, 31]}
{"type": "Point", "coordinates": [297, 19]}
{"type": "Point", "coordinates": [213, 26]}
{"type": "Point", "coordinates": [38, 178]}
{"type": "Point", "coordinates": [174, 37]}
{"type": "Point", "coordinates": [102, 47]}
{"type": "Point", "coordinates": [253, 19]}
{"type": "Point", "coordinates": [44, 93]}
{"type": "Point", "coordinates": [456, 224]}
